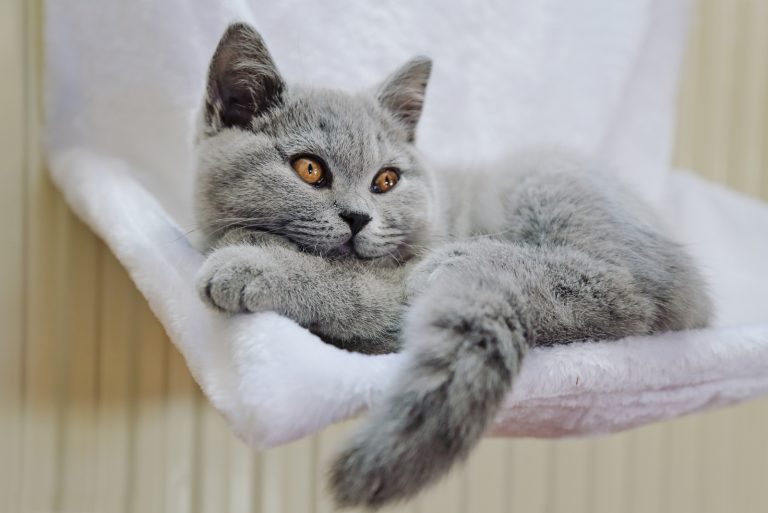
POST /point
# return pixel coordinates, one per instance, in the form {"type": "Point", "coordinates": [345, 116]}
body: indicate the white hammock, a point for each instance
{"type": "Point", "coordinates": [124, 80]}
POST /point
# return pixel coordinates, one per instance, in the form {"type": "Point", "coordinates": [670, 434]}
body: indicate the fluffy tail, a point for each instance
{"type": "Point", "coordinates": [464, 350]}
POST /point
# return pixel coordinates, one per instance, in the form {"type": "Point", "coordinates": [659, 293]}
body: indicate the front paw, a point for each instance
{"type": "Point", "coordinates": [239, 279]}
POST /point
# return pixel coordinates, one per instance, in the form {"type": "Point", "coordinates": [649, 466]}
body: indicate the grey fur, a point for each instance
{"type": "Point", "coordinates": [469, 272]}
{"type": "Point", "coordinates": [242, 80]}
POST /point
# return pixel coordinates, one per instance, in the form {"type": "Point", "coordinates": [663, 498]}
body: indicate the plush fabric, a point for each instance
{"type": "Point", "coordinates": [124, 80]}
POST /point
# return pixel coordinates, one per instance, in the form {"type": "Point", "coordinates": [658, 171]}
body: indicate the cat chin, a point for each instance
{"type": "Point", "coordinates": [398, 255]}
{"type": "Point", "coordinates": [341, 252]}
{"type": "Point", "coordinates": [345, 250]}
{"type": "Point", "coordinates": [350, 251]}
{"type": "Point", "coordinates": [355, 250]}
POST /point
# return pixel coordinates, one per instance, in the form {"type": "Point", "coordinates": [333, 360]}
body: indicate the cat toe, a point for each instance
{"type": "Point", "coordinates": [223, 290]}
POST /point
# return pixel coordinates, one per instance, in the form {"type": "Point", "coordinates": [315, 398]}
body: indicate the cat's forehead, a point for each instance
{"type": "Point", "coordinates": [332, 108]}
{"type": "Point", "coordinates": [337, 114]}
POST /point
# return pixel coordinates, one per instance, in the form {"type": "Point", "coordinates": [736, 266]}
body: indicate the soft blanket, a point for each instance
{"type": "Point", "coordinates": [124, 80]}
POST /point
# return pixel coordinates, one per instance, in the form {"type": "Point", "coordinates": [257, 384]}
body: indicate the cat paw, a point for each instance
{"type": "Point", "coordinates": [238, 280]}
{"type": "Point", "coordinates": [439, 262]}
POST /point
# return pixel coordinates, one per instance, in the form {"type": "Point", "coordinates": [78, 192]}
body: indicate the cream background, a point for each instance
{"type": "Point", "coordinates": [98, 413]}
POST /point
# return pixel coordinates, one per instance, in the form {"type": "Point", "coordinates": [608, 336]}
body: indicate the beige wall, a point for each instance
{"type": "Point", "coordinates": [98, 413]}
{"type": "Point", "coordinates": [723, 125]}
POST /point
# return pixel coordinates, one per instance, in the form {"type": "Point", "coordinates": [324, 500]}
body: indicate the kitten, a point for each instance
{"type": "Point", "coordinates": [316, 204]}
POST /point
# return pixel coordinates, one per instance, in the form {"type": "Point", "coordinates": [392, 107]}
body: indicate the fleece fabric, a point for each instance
{"type": "Point", "coordinates": [124, 81]}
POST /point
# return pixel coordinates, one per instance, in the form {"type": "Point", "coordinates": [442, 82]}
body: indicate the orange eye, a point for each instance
{"type": "Point", "coordinates": [309, 170]}
{"type": "Point", "coordinates": [385, 180]}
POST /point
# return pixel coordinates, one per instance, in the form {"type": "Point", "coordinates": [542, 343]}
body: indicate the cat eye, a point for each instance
{"type": "Point", "coordinates": [385, 180]}
{"type": "Point", "coordinates": [309, 170]}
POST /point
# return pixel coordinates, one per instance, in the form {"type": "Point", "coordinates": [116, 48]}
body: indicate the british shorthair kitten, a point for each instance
{"type": "Point", "coordinates": [317, 205]}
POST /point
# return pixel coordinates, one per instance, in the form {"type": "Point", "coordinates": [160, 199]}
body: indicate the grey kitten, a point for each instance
{"type": "Point", "coordinates": [315, 204]}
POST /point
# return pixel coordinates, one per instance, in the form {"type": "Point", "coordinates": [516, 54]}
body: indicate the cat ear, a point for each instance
{"type": "Point", "coordinates": [243, 81]}
{"type": "Point", "coordinates": [402, 93]}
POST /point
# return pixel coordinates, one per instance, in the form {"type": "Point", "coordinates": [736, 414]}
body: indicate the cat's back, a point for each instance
{"type": "Point", "coordinates": [545, 187]}
{"type": "Point", "coordinates": [562, 201]}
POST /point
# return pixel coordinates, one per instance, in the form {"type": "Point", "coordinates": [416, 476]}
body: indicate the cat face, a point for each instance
{"type": "Point", "coordinates": [335, 173]}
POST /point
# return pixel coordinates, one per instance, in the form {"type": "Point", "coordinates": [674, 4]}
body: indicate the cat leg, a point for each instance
{"type": "Point", "coordinates": [479, 306]}
{"type": "Point", "coordinates": [354, 305]}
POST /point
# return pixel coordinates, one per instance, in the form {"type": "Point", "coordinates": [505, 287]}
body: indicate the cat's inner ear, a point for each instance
{"type": "Point", "coordinates": [402, 93]}
{"type": "Point", "coordinates": [243, 81]}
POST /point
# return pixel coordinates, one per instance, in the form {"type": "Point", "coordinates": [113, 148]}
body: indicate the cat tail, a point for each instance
{"type": "Point", "coordinates": [464, 344]}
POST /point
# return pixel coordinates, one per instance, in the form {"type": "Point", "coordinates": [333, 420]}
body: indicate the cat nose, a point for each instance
{"type": "Point", "coordinates": [355, 220]}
